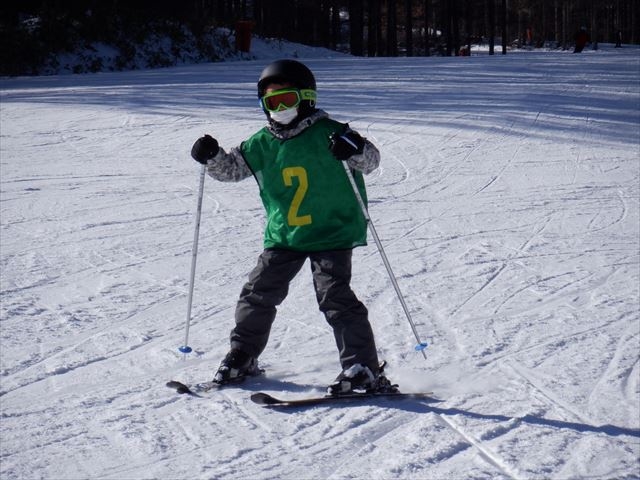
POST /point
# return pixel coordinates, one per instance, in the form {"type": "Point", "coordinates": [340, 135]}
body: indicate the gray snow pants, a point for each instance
{"type": "Point", "coordinates": [268, 286]}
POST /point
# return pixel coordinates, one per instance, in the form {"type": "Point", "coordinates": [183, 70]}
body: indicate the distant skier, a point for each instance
{"type": "Point", "coordinates": [582, 38]}
{"type": "Point", "coordinates": [312, 213]}
{"type": "Point", "coordinates": [619, 39]}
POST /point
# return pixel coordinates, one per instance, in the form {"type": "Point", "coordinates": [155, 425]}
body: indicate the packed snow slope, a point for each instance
{"type": "Point", "coordinates": [508, 204]}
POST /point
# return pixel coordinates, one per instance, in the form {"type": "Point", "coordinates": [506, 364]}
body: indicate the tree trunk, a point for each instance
{"type": "Point", "coordinates": [448, 25]}
{"type": "Point", "coordinates": [503, 14]}
{"type": "Point", "coordinates": [374, 48]}
{"type": "Point", "coordinates": [356, 27]}
{"type": "Point", "coordinates": [492, 25]}
{"type": "Point", "coordinates": [392, 29]}
{"type": "Point", "coordinates": [427, 40]}
{"type": "Point", "coordinates": [408, 27]}
{"type": "Point", "coordinates": [335, 24]}
{"type": "Point", "coordinates": [455, 20]}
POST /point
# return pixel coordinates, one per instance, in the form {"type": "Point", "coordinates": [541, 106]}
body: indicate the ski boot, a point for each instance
{"type": "Point", "coordinates": [236, 366]}
{"type": "Point", "coordinates": [360, 379]}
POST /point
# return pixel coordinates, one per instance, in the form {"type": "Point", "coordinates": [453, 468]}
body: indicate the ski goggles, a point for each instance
{"type": "Point", "coordinates": [286, 98]}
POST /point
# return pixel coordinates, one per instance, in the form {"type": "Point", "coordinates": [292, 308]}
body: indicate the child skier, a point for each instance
{"type": "Point", "coordinates": [312, 213]}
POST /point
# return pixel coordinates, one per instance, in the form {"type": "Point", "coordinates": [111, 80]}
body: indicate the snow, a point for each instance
{"type": "Point", "coordinates": [508, 204]}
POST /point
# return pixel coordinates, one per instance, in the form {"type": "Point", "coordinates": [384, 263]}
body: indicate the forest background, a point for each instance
{"type": "Point", "coordinates": [78, 36]}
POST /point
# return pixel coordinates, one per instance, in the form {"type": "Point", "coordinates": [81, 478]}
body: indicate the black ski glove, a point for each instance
{"type": "Point", "coordinates": [345, 145]}
{"type": "Point", "coordinates": [205, 148]}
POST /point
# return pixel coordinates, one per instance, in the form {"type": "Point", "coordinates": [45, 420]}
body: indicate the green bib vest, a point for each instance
{"type": "Point", "coordinates": [309, 201]}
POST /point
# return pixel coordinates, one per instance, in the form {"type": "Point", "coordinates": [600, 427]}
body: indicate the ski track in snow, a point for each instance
{"type": "Point", "coordinates": [507, 201]}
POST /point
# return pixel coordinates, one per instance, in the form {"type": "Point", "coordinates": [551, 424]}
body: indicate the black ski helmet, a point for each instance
{"type": "Point", "coordinates": [286, 71]}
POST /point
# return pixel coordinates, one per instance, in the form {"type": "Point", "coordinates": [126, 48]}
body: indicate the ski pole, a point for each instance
{"type": "Point", "coordinates": [421, 345]}
{"type": "Point", "coordinates": [185, 348]}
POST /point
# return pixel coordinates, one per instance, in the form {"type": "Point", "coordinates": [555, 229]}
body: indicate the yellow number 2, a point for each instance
{"type": "Point", "coordinates": [301, 174]}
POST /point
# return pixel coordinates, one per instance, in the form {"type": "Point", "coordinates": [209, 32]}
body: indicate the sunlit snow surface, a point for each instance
{"type": "Point", "coordinates": [507, 201]}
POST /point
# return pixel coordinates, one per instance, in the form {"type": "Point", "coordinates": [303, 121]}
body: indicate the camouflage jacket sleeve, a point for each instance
{"type": "Point", "coordinates": [367, 161]}
{"type": "Point", "coordinates": [228, 167]}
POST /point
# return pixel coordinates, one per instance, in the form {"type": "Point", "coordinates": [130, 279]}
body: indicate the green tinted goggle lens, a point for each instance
{"type": "Point", "coordinates": [286, 98]}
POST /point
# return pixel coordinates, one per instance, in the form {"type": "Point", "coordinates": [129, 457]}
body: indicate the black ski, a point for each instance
{"type": "Point", "coordinates": [194, 390]}
{"type": "Point", "coordinates": [199, 388]}
{"type": "Point", "coordinates": [266, 400]}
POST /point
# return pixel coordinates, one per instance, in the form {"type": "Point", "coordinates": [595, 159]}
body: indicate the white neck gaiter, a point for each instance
{"type": "Point", "coordinates": [284, 117]}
